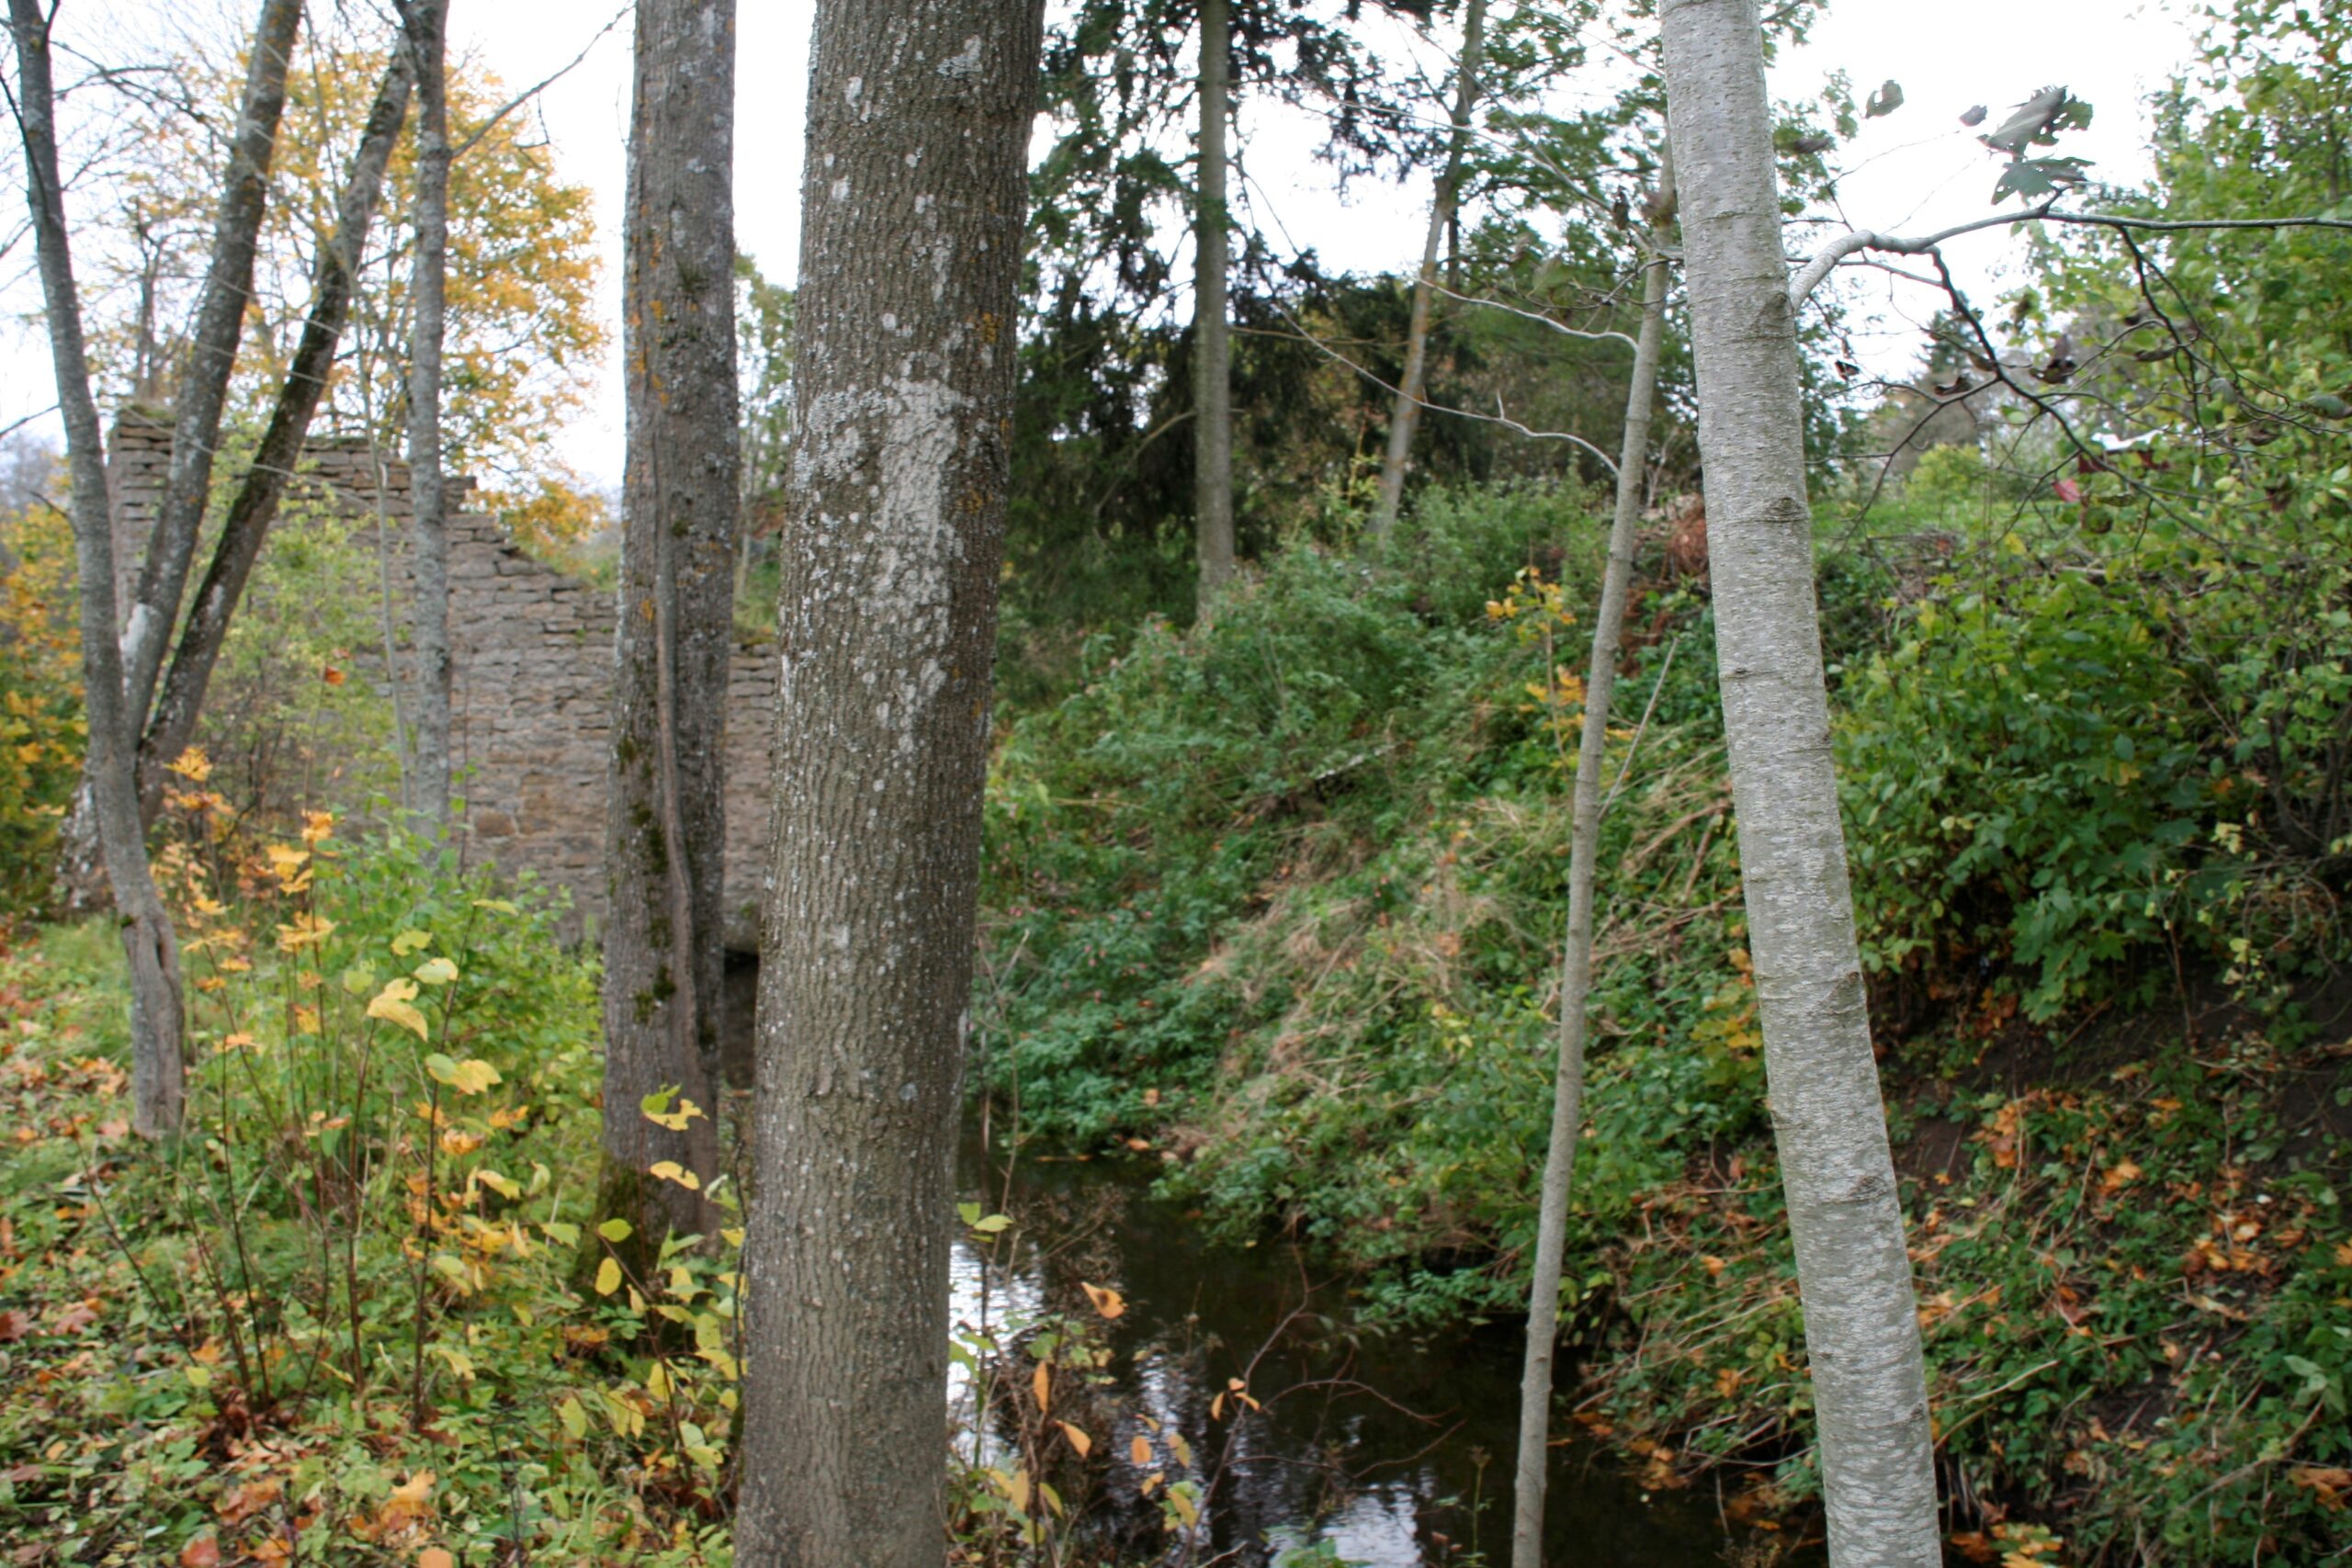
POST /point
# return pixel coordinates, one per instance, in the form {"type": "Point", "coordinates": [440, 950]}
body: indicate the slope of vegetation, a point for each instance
{"type": "Point", "coordinates": [1276, 899]}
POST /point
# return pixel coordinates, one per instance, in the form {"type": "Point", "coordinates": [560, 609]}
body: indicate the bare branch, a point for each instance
{"type": "Point", "coordinates": [470, 142]}
{"type": "Point", "coordinates": [1536, 316]}
{"type": "Point", "coordinates": [1498, 417]}
{"type": "Point", "coordinates": [1809, 277]}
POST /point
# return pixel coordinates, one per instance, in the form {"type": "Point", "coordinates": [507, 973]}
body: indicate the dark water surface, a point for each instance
{"type": "Point", "coordinates": [1395, 1453]}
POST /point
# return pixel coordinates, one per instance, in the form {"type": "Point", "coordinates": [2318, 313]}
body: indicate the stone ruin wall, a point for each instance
{"type": "Point", "coordinates": [534, 653]}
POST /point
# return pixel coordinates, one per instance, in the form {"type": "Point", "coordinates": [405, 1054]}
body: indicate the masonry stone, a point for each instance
{"type": "Point", "coordinates": [533, 657]}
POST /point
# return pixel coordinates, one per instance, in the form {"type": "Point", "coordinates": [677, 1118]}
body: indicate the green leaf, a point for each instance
{"type": "Point", "coordinates": [614, 1230]}
{"type": "Point", "coordinates": [411, 942]}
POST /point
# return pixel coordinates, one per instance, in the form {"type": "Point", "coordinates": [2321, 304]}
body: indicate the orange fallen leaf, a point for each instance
{"type": "Point", "coordinates": [202, 1552]}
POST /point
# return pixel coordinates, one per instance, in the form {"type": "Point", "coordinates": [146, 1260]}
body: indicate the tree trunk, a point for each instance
{"type": "Point", "coordinates": [213, 337]}
{"type": "Point", "coordinates": [427, 23]}
{"type": "Point", "coordinates": [255, 506]}
{"type": "Point", "coordinates": [665, 844]}
{"type": "Point", "coordinates": [1212, 333]}
{"type": "Point", "coordinates": [158, 1070]}
{"type": "Point", "coordinates": [1844, 1212]}
{"type": "Point", "coordinates": [905, 360]}
{"type": "Point", "coordinates": [1407, 417]}
{"type": "Point", "coordinates": [1576, 962]}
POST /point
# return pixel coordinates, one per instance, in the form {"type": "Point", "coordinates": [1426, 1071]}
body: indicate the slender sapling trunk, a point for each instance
{"type": "Point", "coordinates": [1212, 332]}
{"type": "Point", "coordinates": [1576, 961]}
{"type": "Point", "coordinates": [1405, 419]}
{"type": "Point", "coordinates": [158, 1070]}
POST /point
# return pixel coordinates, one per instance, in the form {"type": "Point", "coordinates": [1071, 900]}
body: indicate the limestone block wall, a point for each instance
{"type": "Point", "coordinates": [534, 652]}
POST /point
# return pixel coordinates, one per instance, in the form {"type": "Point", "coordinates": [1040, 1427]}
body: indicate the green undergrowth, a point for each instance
{"type": "Point", "coordinates": [1281, 898]}
{"type": "Point", "coordinates": [330, 1324]}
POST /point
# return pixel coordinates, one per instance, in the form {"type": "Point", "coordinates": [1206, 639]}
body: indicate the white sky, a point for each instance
{"type": "Point", "coordinates": [1914, 171]}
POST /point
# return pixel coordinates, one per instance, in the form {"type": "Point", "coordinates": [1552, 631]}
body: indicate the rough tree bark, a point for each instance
{"type": "Point", "coordinates": [918, 122]}
{"type": "Point", "coordinates": [158, 1070]}
{"type": "Point", "coordinates": [1407, 417]}
{"type": "Point", "coordinates": [257, 500]}
{"type": "Point", "coordinates": [426, 25]}
{"type": "Point", "coordinates": [1576, 959]}
{"type": "Point", "coordinates": [664, 958]}
{"type": "Point", "coordinates": [213, 338]}
{"type": "Point", "coordinates": [1861, 1330]}
{"type": "Point", "coordinates": [1212, 333]}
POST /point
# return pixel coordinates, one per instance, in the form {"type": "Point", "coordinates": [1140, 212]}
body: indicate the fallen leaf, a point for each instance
{"type": "Point", "coordinates": [202, 1552]}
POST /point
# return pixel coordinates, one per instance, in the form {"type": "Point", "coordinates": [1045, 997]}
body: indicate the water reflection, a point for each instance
{"type": "Point", "coordinates": [1365, 1450]}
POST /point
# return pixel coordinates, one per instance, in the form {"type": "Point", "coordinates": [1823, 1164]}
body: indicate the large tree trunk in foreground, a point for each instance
{"type": "Point", "coordinates": [213, 337]}
{"type": "Point", "coordinates": [158, 1070]}
{"type": "Point", "coordinates": [426, 24]}
{"type": "Point", "coordinates": [918, 122]}
{"type": "Point", "coordinates": [257, 503]}
{"type": "Point", "coordinates": [1844, 1212]}
{"type": "Point", "coordinates": [1405, 419]}
{"type": "Point", "coordinates": [664, 960]}
{"type": "Point", "coordinates": [1576, 961]}
{"type": "Point", "coordinates": [1212, 333]}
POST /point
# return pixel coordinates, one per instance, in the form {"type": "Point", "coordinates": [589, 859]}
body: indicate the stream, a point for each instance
{"type": "Point", "coordinates": [1381, 1451]}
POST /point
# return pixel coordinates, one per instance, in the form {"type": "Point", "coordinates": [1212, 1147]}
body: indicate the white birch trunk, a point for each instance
{"type": "Point", "coordinates": [1845, 1215]}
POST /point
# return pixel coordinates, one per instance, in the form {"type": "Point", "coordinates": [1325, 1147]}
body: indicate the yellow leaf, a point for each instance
{"type": "Point", "coordinates": [1107, 1301]}
{"type": "Point", "coordinates": [1186, 1510]}
{"type": "Point", "coordinates": [411, 942]}
{"type": "Point", "coordinates": [671, 1171]}
{"type": "Point", "coordinates": [608, 1278]}
{"type": "Point", "coordinates": [1042, 1385]}
{"type": "Point", "coordinates": [306, 931]}
{"type": "Point", "coordinates": [1139, 1450]}
{"type": "Point", "coordinates": [391, 1005]}
{"type": "Point", "coordinates": [657, 1111]}
{"type": "Point", "coordinates": [437, 972]}
{"type": "Point", "coordinates": [466, 1077]}
{"type": "Point", "coordinates": [1078, 1439]}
